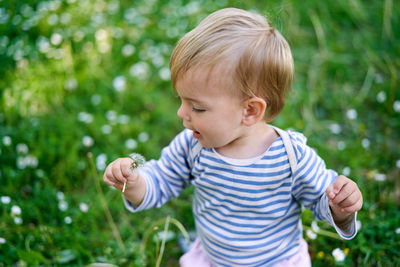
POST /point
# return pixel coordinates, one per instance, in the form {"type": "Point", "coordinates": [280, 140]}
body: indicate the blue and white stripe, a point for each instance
{"type": "Point", "coordinates": [247, 212]}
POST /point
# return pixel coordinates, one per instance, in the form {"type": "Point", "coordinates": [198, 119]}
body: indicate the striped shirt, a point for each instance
{"type": "Point", "coordinates": [247, 212]}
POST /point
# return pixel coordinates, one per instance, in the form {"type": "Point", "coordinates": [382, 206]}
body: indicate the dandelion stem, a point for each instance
{"type": "Point", "coordinates": [323, 232]}
{"type": "Point", "coordinates": [163, 241]}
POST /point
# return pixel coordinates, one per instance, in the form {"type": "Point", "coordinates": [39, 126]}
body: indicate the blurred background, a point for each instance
{"type": "Point", "coordinates": [83, 82]}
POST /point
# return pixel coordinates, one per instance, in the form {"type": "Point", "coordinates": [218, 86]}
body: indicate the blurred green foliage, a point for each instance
{"type": "Point", "coordinates": [92, 76]}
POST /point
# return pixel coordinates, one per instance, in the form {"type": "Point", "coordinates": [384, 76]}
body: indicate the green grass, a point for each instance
{"type": "Point", "coordinates": [61, 62]}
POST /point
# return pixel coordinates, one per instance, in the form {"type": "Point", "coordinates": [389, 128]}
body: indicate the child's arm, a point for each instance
{"type": "Point", "coordinates": [344, 199]}
{"type": "Point", "coordinates": [118, 172]}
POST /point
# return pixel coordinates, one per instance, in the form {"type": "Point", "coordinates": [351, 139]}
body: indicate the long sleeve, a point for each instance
{"type": "Point", "coordinates": [310, 182]}
{"type": "Point", "coordinates": [165, 178]}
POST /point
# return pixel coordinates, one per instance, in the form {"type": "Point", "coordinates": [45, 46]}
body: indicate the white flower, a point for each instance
{"type": "Point", "coordinates": [314, 226]}
{"type": "Point", "coordinates": [87, 141]}
{"type": "Point", "coordinates": [123, 119]}
{"type": "Point", "coordinates": [85, 117]}
{"type": "Point", "coordinates": [358, 225]}
{"type": "Point", "coordinates": [5, 199]}
{"type": "Point", "coordinates": [396, 105]}
{"type": "Point", "coordinates": [111, 115]}
{"type": "Point", "coordinates": [346, 171]}
{"type": "Point", "coordinates": [56, 39]}
{"type": "Point", "coordinates": [381, 97]}
{"type": "Point", "coordinates": [15, 210]}
{"type": "Point", "coordinates": [341, 145]}
{"type": "Point", "coordinates": [101, 162]}
{"type": "Point", "coordinates": [62, 205]}
{"type": "Point", "coordinates": [131, 143]}
{"type": "Point", "coordinates": [140, 70]}
{"type": "Point", "coordinates": [60, 195]}
{"type": "Point", "coordinates": [68, 220]}
{"type": "Point", "coordinates": [95, 99]}
{"type": "Point", "coordinates": [119, 83]}
{"type": "Point", "coordinates": [380, 177]}
{"type": "Point", "coordinates": [83, 207]}
{"type": "Point", "coordinates": [17, 220]}
{"type": "Point", "coordinates": [106, 129]}
{"type": "Point", "coordinates": [311, 234]}
{"type": "Point", "coordinates": [165, 74]}
{"type": "Point", "coordinates": [338, 254]}
{"type": "Point", "coordinates": [351, 114]}
{"type": "Point", "coordinates": [22, 149]}
{"type": "Point", "coordinates": [365, 143]}
{"type": "Point", "coordinates": [398, 163]}
{"type": "Point", "coordinates": [335, 128]}
{"type": "Point", "coordinates": [128, 50]}
{"type": "Point", "coordinates": [70, 84]}
{"type": "Point", "coordinates": [6, 140]}
{"type": "Point", "coordinates": [2, 240]}
{"type": "Point", "coordinates": [397, 231]}
{"type": "Point", "coordinates": [143, 137]}
{"type": "Point", "coordinates": [101, 35]}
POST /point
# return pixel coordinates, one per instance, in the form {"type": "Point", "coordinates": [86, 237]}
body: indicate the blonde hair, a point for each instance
{"type": "Point", "coordinates": [256, 54]}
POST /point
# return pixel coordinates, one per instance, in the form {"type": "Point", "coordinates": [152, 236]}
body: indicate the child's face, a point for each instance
{"type": "Point", "coordinates": [209, 107]}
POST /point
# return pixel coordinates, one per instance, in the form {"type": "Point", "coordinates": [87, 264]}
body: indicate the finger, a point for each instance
{"type": "Point", "coordinates": [107, 181]}
{"type": "Point", "coordinates": [334, 188]}
{"type": "Point", "coordinates": [343, 194]}
{"type": "Point", "coordinates": [126, 167]}
{"type": "Point", "coordinates": [349, 200]}
{"type": "Point", "coordinates": [353, 208]}
{"type": "Point", "coordinates": [116, 172]}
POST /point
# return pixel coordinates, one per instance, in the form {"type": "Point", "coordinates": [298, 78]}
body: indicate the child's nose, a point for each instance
{"type": "Point", "coordinates": [182, 114]}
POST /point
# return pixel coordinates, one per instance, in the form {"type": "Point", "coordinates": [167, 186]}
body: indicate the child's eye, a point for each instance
{"type": "Point", "coordinates": [198, 110]}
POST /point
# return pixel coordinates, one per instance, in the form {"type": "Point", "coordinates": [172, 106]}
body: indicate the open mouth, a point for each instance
{"type": "Point", "coordinates": [196, 134]}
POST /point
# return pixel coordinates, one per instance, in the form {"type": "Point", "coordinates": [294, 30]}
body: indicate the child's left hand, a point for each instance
{"type": "Point", "coordinates": [344, 198]}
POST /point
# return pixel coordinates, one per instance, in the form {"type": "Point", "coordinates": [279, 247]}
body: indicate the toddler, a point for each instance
{"type": "Point", "coordinates": [250, 179]}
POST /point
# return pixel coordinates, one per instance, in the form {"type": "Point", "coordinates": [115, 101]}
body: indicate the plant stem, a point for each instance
{"type": "Point", "coordinates": [110, 220]}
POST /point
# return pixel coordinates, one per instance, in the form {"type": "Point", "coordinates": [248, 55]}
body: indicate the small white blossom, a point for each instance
{"type": "Point", "coordinates": [398, 163]}
{"type": "Point", "coordinates": [311, 234]}
{"type": "Point", "coordinates": [341, 145]}
{"type": "Point", "coordinates": [381, 97]}
{"type": "Point", "coordinates": [70, 84]}
{"type": "Point", "coordinates": [380, 177]}
{"type": "Point", "coordinates": [101, 162]}
{"type": "Point", "coordinates": [95, 99]}
{"type": "Point", "coordinates": [106, 129]}
{"type": "Point", "coordinates": [123, 119]}
{"type": "Point", "coordinates": [6, 140]}
{"type": "Point", "coordinates": [165, 74]}
{"type": "Point", "coordinates": [17, 220]}
{"type": "Point", "coordinates": [5, 199]}
{"type": "Point", "coordinates": [365, 143]}
{"type": "Point", "coordinates": [60, 195]}
{"type": "Point", "coordinates": [335, 128]}
{"type": "Point", "coordinates": [62, 205]}
{"type": "Point", "coordinates": [346, 171]}
{"type": "Point", "coordinates": [314, 226]}
{"type": "Point", "coordinates": [101, 35]}
{"type": "Point", "coordinates": [396, 105]}
{"type": "Point", "coordinates": [15, 210]}
{"type": "Point", "coordinates": [2, 240]}
{"type": "Point", "coordinates": [128, 50]}
{"type": "Point", "coordinates": [398, 231]}
{"type": "Point", "coordinates": [119, 83]}
{"type": "Point", "coordinates": [131, 143]}
{"type": "Point", "coordinates": [85, 117]}
{"type": "Point", "coordinates": [22, 149]}
{"type": "Point", "coordinates": [111, 115]}
{"type": "Point", "coordinates": [140, 70]}
{"type": "Point", "coordinates": [338, 254]}
{"type": "Point", "coordinates": [351, 114]}
{"type": "Point", "coordinates": [56, 39]}
{"type": "Point", "coordinates": [83, 207]}
{"type": "Point", "coordinates": [68, 220]}
{"type": "Point", "coordinates": [87, 141]}
{"type": "Point", "coordinates": [143, 137]}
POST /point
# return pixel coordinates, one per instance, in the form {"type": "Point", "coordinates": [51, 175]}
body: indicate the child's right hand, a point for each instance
{"type": "Point", "coordinates": [118, 172]}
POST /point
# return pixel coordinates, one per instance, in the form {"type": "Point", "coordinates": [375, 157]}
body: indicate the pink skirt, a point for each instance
{"type": "Point", "coordinates": [196, 257]}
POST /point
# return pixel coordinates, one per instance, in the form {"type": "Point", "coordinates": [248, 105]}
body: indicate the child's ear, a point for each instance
{"type": "Point", "coordinates": [253, 110]}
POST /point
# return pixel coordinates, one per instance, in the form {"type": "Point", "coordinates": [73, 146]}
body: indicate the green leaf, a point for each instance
{"type": "Point", "coordinates": [30, 256]}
